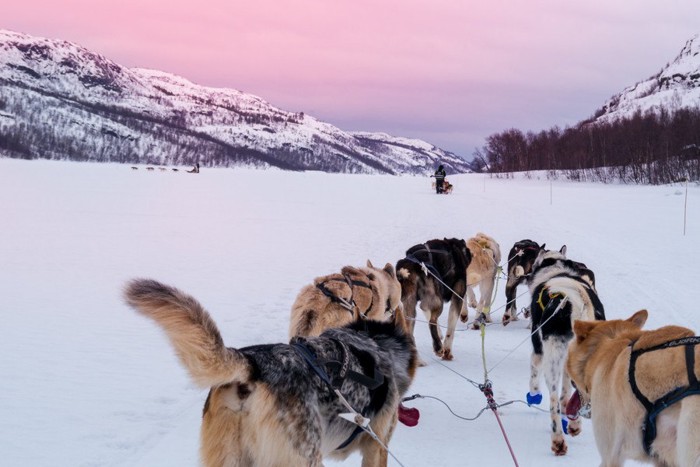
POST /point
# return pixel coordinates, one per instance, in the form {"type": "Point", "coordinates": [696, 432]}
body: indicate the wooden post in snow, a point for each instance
{"type": "Point", "coordinates": [685, 207]}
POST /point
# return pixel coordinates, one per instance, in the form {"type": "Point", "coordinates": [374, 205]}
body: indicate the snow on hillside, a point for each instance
{"type": "Point", "coordinates": [676, 86]}
{"type": "Point", "coordinates": [84, 381]}
{"type": "Point", "coordinates": [64, 93]}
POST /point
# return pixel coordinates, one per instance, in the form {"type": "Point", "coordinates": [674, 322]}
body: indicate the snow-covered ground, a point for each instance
{"type": "Point", "coordinates": [84, 381]}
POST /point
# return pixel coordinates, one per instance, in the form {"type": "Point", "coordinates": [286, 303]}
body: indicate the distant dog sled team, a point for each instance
{"type": "Point", "coordinates": [441, 185]}
{"type": "Point", "coordinates": [337, 386]}
{"type": "Point", "coordinates": [195, 169]}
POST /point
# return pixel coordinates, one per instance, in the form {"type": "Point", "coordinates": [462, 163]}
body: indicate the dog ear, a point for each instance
{"type": "Point", "coordinates": [543, 245]}
{"type": "Point", "coordinates": [582, 329]}
{"type": "Point", "coordinates": [562, 250]}
{"type": "Point", "coordinates": [389, 268]}
{"type": "Point", "coordinates": [639, 318]}
{"type": "Point", "coordinates": [369, 264]}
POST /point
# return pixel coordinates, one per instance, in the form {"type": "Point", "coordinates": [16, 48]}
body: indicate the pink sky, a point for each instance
{"type": "Point", "coordinates": [450, 72]}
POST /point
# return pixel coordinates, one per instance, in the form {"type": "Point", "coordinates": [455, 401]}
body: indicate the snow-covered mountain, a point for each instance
{"type": "Point", "coordinates": [676, 86]}
{"type": "Point", "coordinates": [61, 101]}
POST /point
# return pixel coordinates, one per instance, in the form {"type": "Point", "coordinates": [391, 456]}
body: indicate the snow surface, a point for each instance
{"type": "Point", "coordinates": [85, 381]}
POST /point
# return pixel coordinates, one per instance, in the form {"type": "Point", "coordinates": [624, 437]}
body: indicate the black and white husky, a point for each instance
{"type": "Point", "coordinates": [562, 291]}
{"type": "Point", "coordinates": [520, 261]}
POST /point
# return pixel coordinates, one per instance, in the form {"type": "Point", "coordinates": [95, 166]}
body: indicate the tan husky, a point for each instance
{"type": "Point", "coordinates": [279, 405]}
{"type": "Point", "coordinates": [331, 300]}
{"type": "Point", "coordinates": [481, 272]}
{"type": "Point", "coordinates": [643, 390]}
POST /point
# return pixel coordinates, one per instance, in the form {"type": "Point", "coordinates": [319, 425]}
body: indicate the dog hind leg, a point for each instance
{"type": "Point", "coordinates": [511, 313]}
{"type": "Point", "coordinates": [436, 332]}
{"type": "Point", "coordinates": [409, 308]}
{"type": "Point", "coordinates": [451, 326]}
{"type": "Point", "coordinates": [486, 296]}
{"type": "Point", "coordinates": [553, 362]}
{"type": "Point", "coordinates": [471, 296]}
{"type": "Point", "coordinates": [535, 365]}
{"type": "Point", "coordinates": [373, 454]}
{"type": "Point", "coordinates": [432, 312]}
{"type": "Point", "coordinates": [464, 310]}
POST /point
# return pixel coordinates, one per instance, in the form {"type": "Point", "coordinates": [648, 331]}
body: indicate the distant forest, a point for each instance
{"type": "Point", "coordinates": [650, 148]}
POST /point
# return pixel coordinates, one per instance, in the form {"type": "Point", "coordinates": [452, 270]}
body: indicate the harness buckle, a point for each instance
{"type": "Point", "coordinates": [355, 418]}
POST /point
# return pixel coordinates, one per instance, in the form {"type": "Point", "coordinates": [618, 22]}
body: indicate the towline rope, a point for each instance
{"type": "Point", "coordinates": [485, 388]}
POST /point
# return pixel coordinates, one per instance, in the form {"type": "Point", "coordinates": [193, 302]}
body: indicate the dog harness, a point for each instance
{"type": "Point", "coordinates": [429, 263]}
{"type": "Point", "coordinates": [342, 372]}
{"type": "Point", "coordinates": [348, 305]}
{"type": "Point", "coordinates": [654, 408]}
{"type": "Point", "coordinates": [550, 296]}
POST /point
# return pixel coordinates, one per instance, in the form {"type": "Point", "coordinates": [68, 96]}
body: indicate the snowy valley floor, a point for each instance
{"type": "Point", "coordinates": [84, 381]}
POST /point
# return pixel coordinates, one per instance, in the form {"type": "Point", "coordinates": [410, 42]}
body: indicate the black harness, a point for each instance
{"type": "Point", "coordinates": [428, 265]}
{"type": "Point", "coordinates": [350, 306]}
{"type": "Point", "coordinates": [429, 262]}
{"type": "Point", "coordinates": [342, 372]}
{"type": "Point", "coordinates": [654, 408]}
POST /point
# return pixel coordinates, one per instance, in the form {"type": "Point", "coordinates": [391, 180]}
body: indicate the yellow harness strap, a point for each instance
{"type": "Point", "coordinates": [539, 299]}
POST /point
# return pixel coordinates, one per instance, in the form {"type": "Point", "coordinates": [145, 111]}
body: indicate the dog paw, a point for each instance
{"type": "Point", "coordinates": [481, 319]}
{"type": "Point", "coordinates": [472, 303]}
{"type": "Point", "coordinates": [464, 316]}
{"type": "Point", "coordinates": [559, 446]}
{"type": "Point", "coordinates": [574, 428]}
{"type": "Point", "coordinates": [533, 399]}
{"type": "Point", "coordinates": [446, 354]}
{"type": "Point", "coordinates": [526, 312]}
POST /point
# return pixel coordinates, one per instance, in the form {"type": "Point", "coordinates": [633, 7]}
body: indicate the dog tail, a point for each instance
{"type": "Point", "coordinates": [191, 331]}
{"type": "Point", "coordinates": [407, 273]}
{"type": "Point", "coordinates": [581, 305]}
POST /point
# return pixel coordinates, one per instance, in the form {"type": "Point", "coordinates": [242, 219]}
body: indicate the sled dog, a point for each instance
{"type": "Point", "coordinates": [520, 260]}
{"type": "Point", "coordinates": [643, 390]}
{"type": "Point", "coordinates": [481, 273]}
{"type": "Point", "coordinates": [562, 291]}
{"type": "Point", "coordinates": [422, 273]}
{"type": "Point", "coordinates": [331, 300]}
{"type": "Point", "coordinates": [274, 404]}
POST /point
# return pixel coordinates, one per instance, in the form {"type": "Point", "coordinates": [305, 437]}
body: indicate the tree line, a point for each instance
{"type": "Point", "coordinates": [652, 147]}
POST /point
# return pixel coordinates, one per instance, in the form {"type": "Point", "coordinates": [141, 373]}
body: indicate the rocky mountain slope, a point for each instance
{"type": "Point", "coordinates": [676, 86]}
